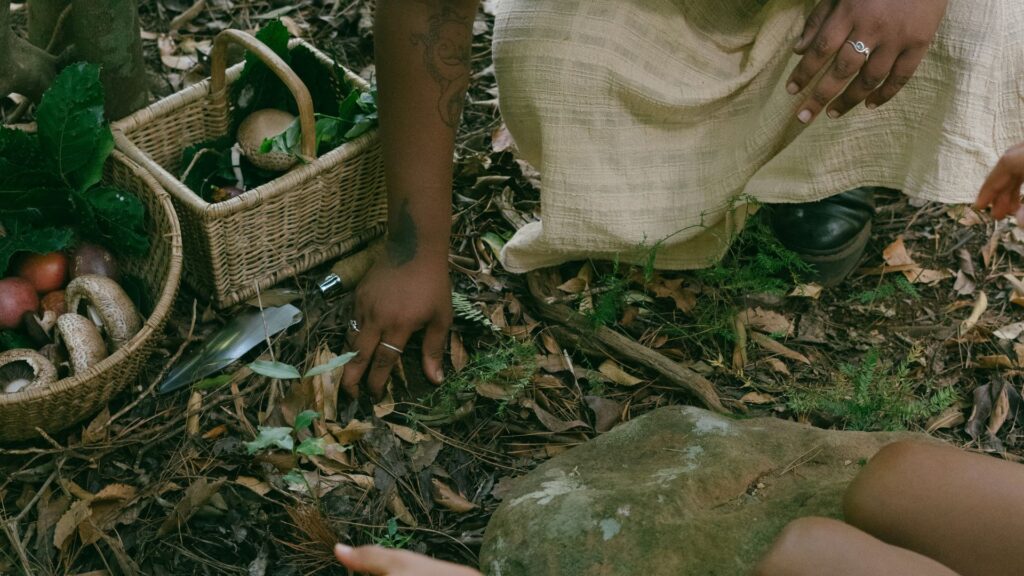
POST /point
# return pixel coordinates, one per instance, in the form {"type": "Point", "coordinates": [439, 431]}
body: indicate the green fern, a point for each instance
{"type": "Point", "coordinates": [465, 309]}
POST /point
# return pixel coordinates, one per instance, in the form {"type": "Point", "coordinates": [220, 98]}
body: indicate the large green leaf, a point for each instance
{"type": "Point", "coordinates": [258, 87]}
{"type": "Point", "coordinates": [36, 240]}
{"type": "Point", "coordinates": [73, 132]}
{"type": "Point", "coordinates": [278, 370]}
{"type": "Point", "coordinates": [271, 436]}
{"type": "Point", "coordinates": [113, 218]}
{"type": "Point", "coordinates": [23, 166]}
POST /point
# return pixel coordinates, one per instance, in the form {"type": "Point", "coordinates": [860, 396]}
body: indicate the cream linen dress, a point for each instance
{"type": "Point", "coordinates": [655, 122]}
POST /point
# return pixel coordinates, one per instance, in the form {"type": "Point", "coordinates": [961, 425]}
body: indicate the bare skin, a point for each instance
{"type": "Point", "coordinates": [378, 561]}
{"type": "Point", "coordinates": [1002, 189]}
{"type": "Point", "coordinates": [897, 33]}
{"type": "Point", "coordinates": [423, 70]}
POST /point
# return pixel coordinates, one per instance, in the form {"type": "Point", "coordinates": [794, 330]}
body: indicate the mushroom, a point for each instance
{"type": "Point", "coordinates": [107, 305]}
{"type": "Point", "coordinates": [83, 341]}
{"type": "Point", "coordinates": [259, 126]}
{"type": "Point", "coordinates": [23, 369]}
{"type": "Point", "coordinates": [38, 327]}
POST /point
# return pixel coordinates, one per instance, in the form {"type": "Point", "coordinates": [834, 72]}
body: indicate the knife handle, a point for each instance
{"type": "Point", "coordinates": [348, 271]}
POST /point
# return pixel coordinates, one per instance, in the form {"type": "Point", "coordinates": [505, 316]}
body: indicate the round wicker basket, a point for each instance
{"type": "Point", "coordinates": [73, 399]}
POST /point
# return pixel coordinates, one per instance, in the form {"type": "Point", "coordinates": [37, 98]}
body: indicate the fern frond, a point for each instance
{"type": "Point", "coordinates": [465, 309]}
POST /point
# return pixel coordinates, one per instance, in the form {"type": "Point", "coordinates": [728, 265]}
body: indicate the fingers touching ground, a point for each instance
{"type": "Point", "coordinates": [1002, 189]}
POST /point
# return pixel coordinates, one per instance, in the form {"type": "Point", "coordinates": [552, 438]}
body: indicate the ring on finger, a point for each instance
{"type": "Point", "coordinates": [860, 47]}
{"type": "Point", "coordinates": [354, 326]}
{"type": "Point", "coordinates": [390, 347]}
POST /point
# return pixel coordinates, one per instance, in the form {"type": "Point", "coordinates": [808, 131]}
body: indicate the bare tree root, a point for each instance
{"type": "Point", "coordinates": [605, 341]}
{"type": "Point", "coordinates": [25, 69]}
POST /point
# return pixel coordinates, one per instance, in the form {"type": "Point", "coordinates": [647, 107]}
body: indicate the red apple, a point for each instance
{"type": "Point", "coordinates": [45, 272]}
{"type": "Point", "coordinates": [17, 297]}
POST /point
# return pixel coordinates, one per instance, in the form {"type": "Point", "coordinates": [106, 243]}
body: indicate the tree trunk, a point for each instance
{"type": "Point", "coordinates": [43, 16]}
{"type": "Point", "coordinates": [106, 32]}
{"type": "Point", "coordinates": [24, 68]}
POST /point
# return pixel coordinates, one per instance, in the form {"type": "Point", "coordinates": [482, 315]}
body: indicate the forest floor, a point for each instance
{"type": "Point", "coordinates": [924, 336]}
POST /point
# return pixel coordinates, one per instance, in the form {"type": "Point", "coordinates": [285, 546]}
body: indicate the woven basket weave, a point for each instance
{"type": "Point", "coordinates": [311, 214]}
{"type": "Point", "coordinates": [73, 399]}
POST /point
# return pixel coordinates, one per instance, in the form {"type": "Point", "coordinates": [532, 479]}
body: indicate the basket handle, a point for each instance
{"type": "Point", "coordinates": [218, 65]}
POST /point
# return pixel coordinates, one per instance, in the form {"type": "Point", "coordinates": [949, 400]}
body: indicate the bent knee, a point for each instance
{"type": "Point", "coordinates": [892, 469]}
{"type": "Point", "coordinates": [798, 542]}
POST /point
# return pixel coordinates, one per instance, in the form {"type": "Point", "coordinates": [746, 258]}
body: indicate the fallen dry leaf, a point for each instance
{"type": "Point", "coordinates": [776, 347]}
{"type": "Point", "coordinates": [777, 366]}
{"type": "Point", "coordinates": [1010, 331]}
{"type": "Point", "coordinates": [812, 291]}
{"type": "Point", "coordinates": [685, 298]}
{"type": "Point", "coordinates": [458, 353]}
{"type": "Point", "coordinates": [616, 374]}
{"type": "Point", "coordinates": [552, 422]}
{"type": "Point", "coordinates": [350, 434]}
{"type": "Point", "coordinates": [896, 254]}
{"type": "Point", "coordinates": [768, 321]}
{"type": "Point", "coordinates": [197, 494]}
{"type": "Point", "coordinates": [607, 413]}
{"type": "Point", "coordinates": [758, 398]}
{"type": "Point", "coordinates": [398, 508]}
{"type": "Point", "coordinates": [68, 523]}
{"type": "Point", "coordinates": [980, 306]}
{"type": "Point", "coordinates": [450, 499]}
{"type": "Point", "coordinates": [994, 362]}
{"type": "Point", "coordinates": [950, 418]}
{"type": "Point", "coordinates": [255, 484]}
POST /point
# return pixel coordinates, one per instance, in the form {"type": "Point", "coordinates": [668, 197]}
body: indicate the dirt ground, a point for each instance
{"type": "Point", "coordinates": [923, 337]}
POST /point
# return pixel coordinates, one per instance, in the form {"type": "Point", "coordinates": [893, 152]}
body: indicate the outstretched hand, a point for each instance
{"type": "Point", "coordinates": [896, 34]}
{"type": "Point", "coordinates": [393, 301]}
{"type": "Point", "coordinates": [378, 561]}
{"type": "Point", "coordinates": [1002, 189]}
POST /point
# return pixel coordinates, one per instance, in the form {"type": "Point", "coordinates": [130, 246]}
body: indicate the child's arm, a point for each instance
{"type": "Point", "coordinates": [1001, 190]}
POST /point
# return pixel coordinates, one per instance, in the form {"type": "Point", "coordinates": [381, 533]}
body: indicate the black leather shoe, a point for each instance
{"type": "Point", "coordinates": [830, 235]}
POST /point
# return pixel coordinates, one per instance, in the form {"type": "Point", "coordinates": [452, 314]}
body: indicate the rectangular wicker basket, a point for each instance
{"type": "Point", "coordinates": [315, 212]}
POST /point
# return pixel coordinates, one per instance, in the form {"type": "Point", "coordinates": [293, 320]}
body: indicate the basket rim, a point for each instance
{"type": "Point", "coordinates": [283, 184]}
{"type": "Point", "coordinates": [160, 311]}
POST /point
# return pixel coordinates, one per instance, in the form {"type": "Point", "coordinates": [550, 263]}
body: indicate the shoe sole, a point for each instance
{"type": "Point", "coordinates": [835, 266]}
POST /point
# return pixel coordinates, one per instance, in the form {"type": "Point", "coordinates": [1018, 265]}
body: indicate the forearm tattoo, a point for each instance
{"type": "Point", "coordinates": [403, 242]}
{"type": "Point", "coordinates": [446, 54]}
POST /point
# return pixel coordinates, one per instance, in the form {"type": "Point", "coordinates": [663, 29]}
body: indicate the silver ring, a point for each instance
{"type": "Point", "coordinates": [354, 326]}
{"type": "Point", "coordinates": [390, 347]}
{"type": "Point", "coordinates": [860, 47]}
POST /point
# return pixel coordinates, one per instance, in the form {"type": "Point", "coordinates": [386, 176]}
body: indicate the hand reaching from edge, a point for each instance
{"type": "Point", "coordinates": [393, 302]}
{"type": "Point", "coordinates": [1002, 189]}
{"type": "Point", "coordinates": [378, 561]}
{"type": "Point", "coordinates": [897, 34]}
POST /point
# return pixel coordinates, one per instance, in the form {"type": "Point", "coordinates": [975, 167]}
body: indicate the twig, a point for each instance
{"type": "Point", "coordinates": [605, 339]}
{"type": "Point", "coordinates": [187, 16]}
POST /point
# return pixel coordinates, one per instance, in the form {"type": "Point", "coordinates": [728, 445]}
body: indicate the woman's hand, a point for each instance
{"type": "Point", "coordinates": [896, 33]}
{"type": "Point", "coordinates": [392, 302]}
{"type": "Point", "coordinates": [1002, 189]}
{"type": "Point", "coordinates": [384, 562]}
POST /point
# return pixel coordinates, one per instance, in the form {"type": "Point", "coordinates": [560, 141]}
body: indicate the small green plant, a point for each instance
{"type": "Point", "coordinates": [899, 285]}
{"type": "Point", "coordinates": [873, 395]}
{"type": "Point", "coordinates": [284, 437]}
{"type": "Point", "coordinates": [392, 537]}
{"type": "Point", "coordinates": [511, 365]}
{"type": "Point", "coordinates": [465, 309]}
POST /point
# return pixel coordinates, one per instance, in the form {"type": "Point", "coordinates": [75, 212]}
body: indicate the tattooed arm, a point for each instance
{"type": "Point", "coordinates": [423, 70]}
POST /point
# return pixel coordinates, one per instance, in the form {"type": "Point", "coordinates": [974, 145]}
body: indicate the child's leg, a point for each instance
{"type": "Point", "coordinates": [817, 546]}
{"type": "Point", "coordinates": [964, 510]}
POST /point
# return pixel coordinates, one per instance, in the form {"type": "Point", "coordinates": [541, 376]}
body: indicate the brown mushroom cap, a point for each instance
{"type": "Point", "coordinates": [256, 128]}
{"type": "Point", "coordinates": [24, 369]}
{"type": "Point", "coordinates": [108, 303]}
{"type": "Point", "coordinates": [83, 341]}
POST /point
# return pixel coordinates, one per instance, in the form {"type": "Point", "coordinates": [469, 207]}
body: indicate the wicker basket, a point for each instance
{"type": "Point", "coordinates": [311, 214]}
{"type": "Point", "coordinates": [73, 399]}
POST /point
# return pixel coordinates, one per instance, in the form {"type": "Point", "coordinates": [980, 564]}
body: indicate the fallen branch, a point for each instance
{"type": "Point", "coordinates": [612, 343]}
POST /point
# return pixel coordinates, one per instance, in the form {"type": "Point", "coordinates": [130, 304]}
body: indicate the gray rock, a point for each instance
{"type": "Point", "coordinates": [678, 491]}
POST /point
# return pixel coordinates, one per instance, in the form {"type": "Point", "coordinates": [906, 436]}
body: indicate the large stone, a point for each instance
{"type": "Point", "coordinates": [678, 491]}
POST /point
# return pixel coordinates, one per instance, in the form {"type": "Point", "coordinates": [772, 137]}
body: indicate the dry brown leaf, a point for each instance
{"type": "Point", "coordinates": [777, 366]}
{"type": "Point", "coordinates": [1010, 331]}
{"type": "Point", "coordinates": [195, 496]}
{"type": "Point", "coordinates": [493, 390]}
{"type": "Point", "coordinates": [255, 484]}
{"type": "Point", "coordinates": [776, 347]}
{"type": "Point", "coordinates": [950, 418]}
{"type": "Point", "coordinates": [192, 413]}
{"type": "Point", "coordinates": [575, 285]}
{"type": "Point", "coordinates": [758, 398]}
{"type": "Point", "coordinates": [50, 511]}
{"type": "Point", "coordinates": [685, 298]}
{"type": "Point", "coordinates": [501, 139]}
{"type": "Point", "coordinates": [616, 374]}
{"type": "Point", "coordinates": [407, 434]}
{"type": "Point", "coordinates": [988, 251]}
{"type": "Point", "coordinates": [397, 507]}
{"type": "Point", "coordinates": [767, 321]}
{"type": "Point", "coordinates": [215, 432]}
{"type": "Point", "coordinates": [1018, 351]}
{"type": "Point", "coordinates": [68, 523]}
{"type": "Point", "coordinates": [552, 422]}
{"type": "Point", "coordinates": [350, 434]}
{"type": "Point", "coordinates": [325, 388]}
{"type": "Point", "coordinates": [458, 353]}
{"type": "Point", "coordinates": [107, 507]}
{"type": "Point", "coordinates": [812, 291]}
{"type": "Point", "coordinates": [980, 306]}
{"type": "Point", "coordinates": [450, 499]}
{"type": "Point", "coordinates": [361, 480]}
{"type": "Point", "coordinates": [96, 431]}
{"type": "Point", "coordinates": [386, 406]}
{"type": "Point", "coordinates": [1000, 411]}
{"type": "Point", "coordinates": [994, 362]}
{"type": "Point", "coordinates": [925, 276]}
{"type": "Point", "coordinates": [607, 413]}
{"type": "Point", "coordinates": [896, 254]}
{"type": "Point", "coordinates": [553, 363]}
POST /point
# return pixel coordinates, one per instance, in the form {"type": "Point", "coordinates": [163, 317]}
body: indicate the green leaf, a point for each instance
{"type": "Point", "coordinates": [295, 477]}
{"type": "Point", "coordinates": [23, 166]}
{"type": "Point", "coordinates": [331, 366]}
{"type": "Point", "coordinates": [278, 370]}
{"type": "Point", "coordinates": [311, 447]}
{"type": "Point", "coordinates": [212, 382]}
{"type": "Point", "coordinates": [113, 218]}
{"type": "Point", "coordinates": [305, 419]}
{"type": "Point", "coordinates": [258, 87]}
{"type": "Point", "coordinates": [73, 132]}
{"type": "Point", "coordinates": [11, 340]}
{"type": "Point", "coordinates": [271, 436]}
{"type": "Point", "coordinates": [37, 241]}
{"type": "Point", "coordinates": [322, 81]}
